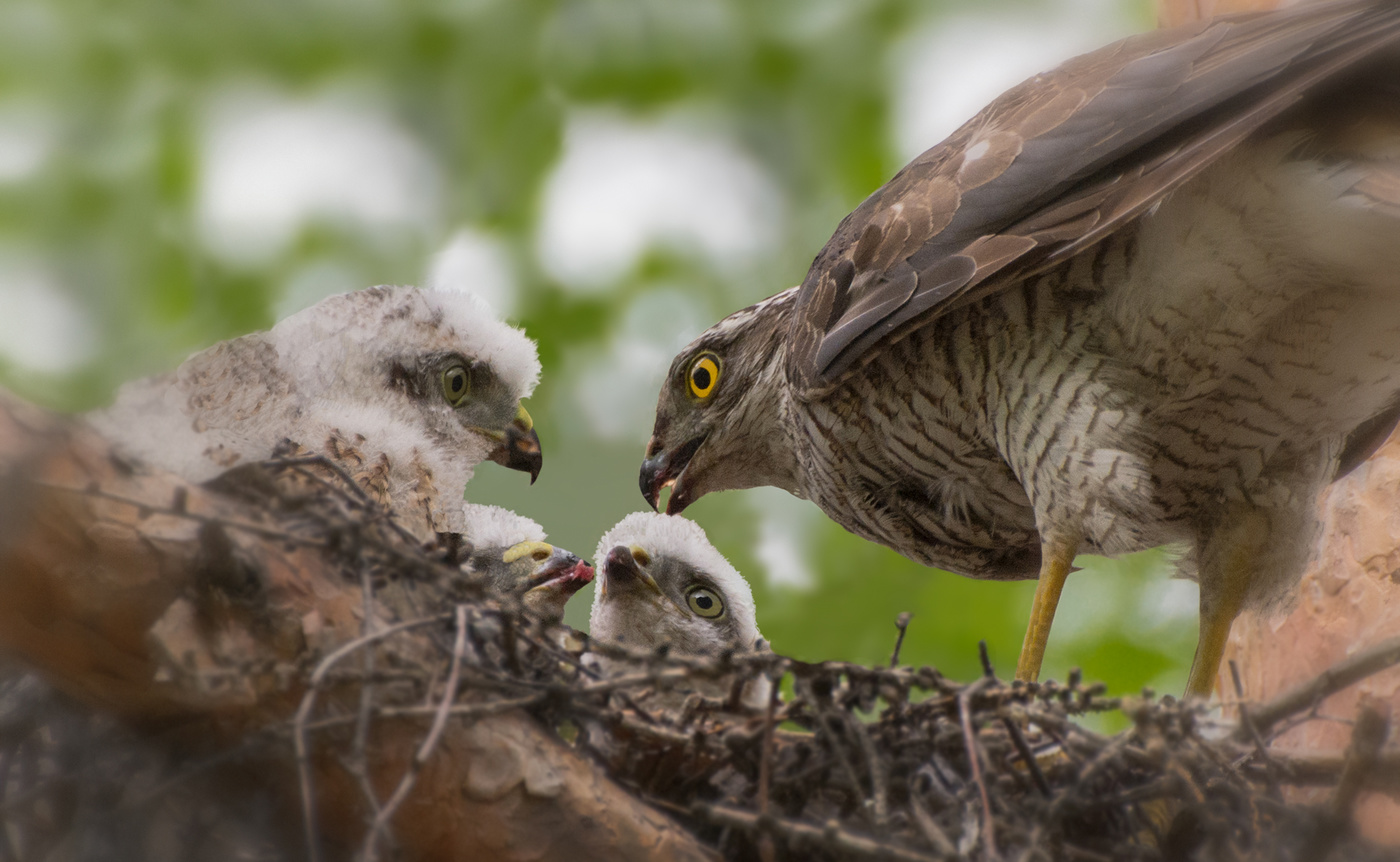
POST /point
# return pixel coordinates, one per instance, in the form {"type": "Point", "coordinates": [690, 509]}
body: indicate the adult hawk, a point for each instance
{"type": "Point", "coordinates": [1150, 297]}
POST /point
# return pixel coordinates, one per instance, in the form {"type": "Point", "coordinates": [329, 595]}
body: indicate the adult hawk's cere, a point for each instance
{"type": "Point", "coordinates": [406, 389]}
{"type": "Point", "coordinates": [1150, 297]}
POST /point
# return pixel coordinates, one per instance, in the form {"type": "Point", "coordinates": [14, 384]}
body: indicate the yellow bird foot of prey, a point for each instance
{"type": "Point", "coordinates": [1054, 568]}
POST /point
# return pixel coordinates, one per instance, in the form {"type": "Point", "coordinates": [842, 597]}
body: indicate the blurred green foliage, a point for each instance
{"type": "Point", "coordinates": [123, 93]}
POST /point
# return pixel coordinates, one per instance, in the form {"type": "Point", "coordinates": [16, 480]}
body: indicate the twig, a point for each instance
{"type": "Point", "coordinates": [1372, 727]}
{"type": "Point", "coordinates": [823, 711]}
{"type": "Point", "coordinates": [1351, 670]}
{"type": "Point", "coordinates": [831, 836]}
{"type": "Point", "coordinates": [766, 851]}
{"type": "Point", "coordinates": [308, 702]}
{"type": "Point", "coordinates": [975, 761]}
{"type": "Point", "coordinates": [425, 750]}
{"type": "Point", "coordinates": [458, 710]}
{"type": "Point", "coordinates": [358, 762]}
{"type": "Point", "coordinates": [1367, 738]}
{"type": "Point", "coordinates": [1023, 748]}
{"type": "Point", "coordinates": [901, 622]}
{"type": "Point", "coordinates": [1325, 770]}
{"type": "Point", "coordinates": [348, 487]}
{"type": "Point", "coordinates": [876, 768]}
{"type": "Point", "coordinates": [932, 832]}
{"type": "Point", "coordinates": [376, 511]}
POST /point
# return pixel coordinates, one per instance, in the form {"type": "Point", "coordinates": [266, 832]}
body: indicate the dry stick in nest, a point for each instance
{"type": "Point", "coordinates": [357, 763]}
{"type": "Point", "coordinates": [1372, 727]}
{"type": "Point", "coordinates": [974, 759]}
{"type": "Point", "coordinates": [308, 703]}
{"type": "Point", "coordinates": [877, 770]}
{"type": "Point", "coordinates": [420, 757]}
{"type": "Point", "coordinates": [824, 713]}
{"type": "Point", "coordinates": [901, 622]}
{"type": "Point", "coordinates": [766, 851]}
{"type": "Point", "coordinates": [974, 749]}
{"type": "Point", "coordinates": [832, 836]}
{"type": "Point", "coordinates": [1337, 677]}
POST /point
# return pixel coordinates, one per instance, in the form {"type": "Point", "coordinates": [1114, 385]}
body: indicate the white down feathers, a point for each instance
{"type": "Point", "coordinates": [321, 373]}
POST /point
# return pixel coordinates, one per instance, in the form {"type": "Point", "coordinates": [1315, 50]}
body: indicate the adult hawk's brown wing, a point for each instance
{"type": "Point", "coordinates": [1055, 164]}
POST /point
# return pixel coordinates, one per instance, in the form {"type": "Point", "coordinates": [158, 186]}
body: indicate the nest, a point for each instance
{"type": "Point", "coordinates": [850, 762]}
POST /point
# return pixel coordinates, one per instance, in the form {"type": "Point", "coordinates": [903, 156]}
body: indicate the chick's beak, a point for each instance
{"type": "Point", "coordinates": [562, 571]}
{"type": "Point", "coordinates": [520, 446]}
{"type": "Point", "coordinates": [621, 571]}
{"type": "Point", "coordinates": [553, 581]}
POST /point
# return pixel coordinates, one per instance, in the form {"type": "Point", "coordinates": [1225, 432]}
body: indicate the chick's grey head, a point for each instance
{"type": "Point", "coordinates": [435, 368]}
{"type": "Point", "coordinates": [510, 552]}
{"type": "Point", "coordinates": [661, 583]}
{"type": "Point", "coordinates": [718, 423]}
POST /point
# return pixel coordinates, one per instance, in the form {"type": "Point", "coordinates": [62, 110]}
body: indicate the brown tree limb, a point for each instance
{"type": "Point", "coordinates": [1352, 670]}
{"type": "Point", "coordinates": [173, 605]}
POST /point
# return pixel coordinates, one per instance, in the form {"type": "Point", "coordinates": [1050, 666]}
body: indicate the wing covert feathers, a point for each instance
{"type": "Point", "coordinates": [1059, 162]}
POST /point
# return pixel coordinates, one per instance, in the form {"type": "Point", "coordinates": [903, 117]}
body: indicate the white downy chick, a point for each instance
{"type": "Point", "coordinates": [406, 389]}
{"type": "Point", "coordinates": [661, 583]}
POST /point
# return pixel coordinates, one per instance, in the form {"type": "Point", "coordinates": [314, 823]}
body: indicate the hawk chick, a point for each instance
{"type": "Point", "coordinates": [406, 389]}
{"type": "Point", "coordinates": [510, 552]}
{"type": "Point", "coordinates": [662, 584]}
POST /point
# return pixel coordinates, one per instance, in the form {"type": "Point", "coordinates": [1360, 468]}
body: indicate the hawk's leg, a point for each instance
{"type": "Point", "coordinates": [1055, 560]}
{"type": "Point", "coordinates": [1216, 618]}
{"type": "Point", "coordinates": [1230, 563]}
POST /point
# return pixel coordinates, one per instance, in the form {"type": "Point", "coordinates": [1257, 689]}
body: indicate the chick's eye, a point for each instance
{"type": "Point", "coordinates": [456, 384]}
{"type": "Point", "coordinates": [704, 375]}
{"type": "Point", "coordinates": [705, 602]}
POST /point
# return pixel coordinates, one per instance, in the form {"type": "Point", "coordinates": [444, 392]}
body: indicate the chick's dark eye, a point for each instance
{"type": "Point", "coordinates": [456, 384]}
{"type": "Point", "coordinates": [705, 602]}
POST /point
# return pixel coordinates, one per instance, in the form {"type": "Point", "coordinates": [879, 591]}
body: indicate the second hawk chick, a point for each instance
{"type": "Point", "coordinates": [662, 584]}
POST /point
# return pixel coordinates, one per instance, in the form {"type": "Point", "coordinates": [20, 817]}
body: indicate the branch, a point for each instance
{"type": "Point", "coordinates": [831, 836]}
{"type": "Point", "coordinates": [1369, 661]}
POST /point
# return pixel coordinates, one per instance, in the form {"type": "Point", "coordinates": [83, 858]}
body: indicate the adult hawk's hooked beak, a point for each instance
{"type": "Point", "coordinates": [662, 469]}
{"type": "Point", "coordinates": [520, 446]}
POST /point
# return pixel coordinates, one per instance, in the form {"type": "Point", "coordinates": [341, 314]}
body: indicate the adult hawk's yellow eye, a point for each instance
{"type": "Point", "coordinates": [704, 375]}
{"type": "Point", "coordinates": [705, 602]}
{"type": "Point", "coordinates": [456, 384]}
